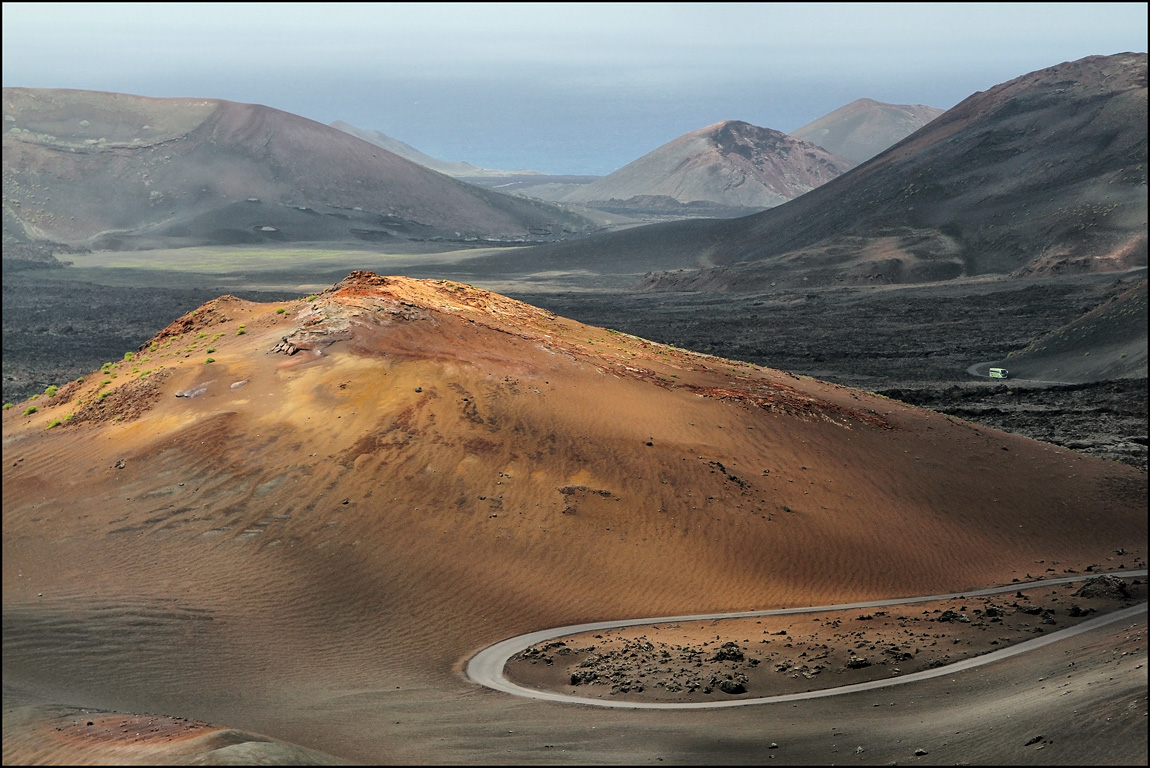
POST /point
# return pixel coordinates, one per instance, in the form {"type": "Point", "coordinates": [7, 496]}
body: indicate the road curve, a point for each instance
{"type": "Point", "coordinates": [486, 667]}
{"type": "Point", "coordinates": [974, 370]}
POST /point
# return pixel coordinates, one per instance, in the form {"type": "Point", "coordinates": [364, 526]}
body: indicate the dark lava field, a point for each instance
{"type": "Point", "coordinates": [910, 343]}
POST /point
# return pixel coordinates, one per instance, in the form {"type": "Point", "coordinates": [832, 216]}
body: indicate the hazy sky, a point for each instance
{"type": "Point", "coordinates": [561, 88]}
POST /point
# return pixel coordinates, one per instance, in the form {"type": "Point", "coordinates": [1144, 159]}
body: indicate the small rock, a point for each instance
{"type": "Point", "coordinates": [1033, 740]}
{"type": "Point", "coordinates": [920, 752]}
{"type": "Point", "coordinates": [732, 687]}
{"type": "Point", "coordinates": [948, 616]}
{"type": "Point", "coordinates": [1103, 586]}
{"type": "Point", "coordinates": [728, 652]}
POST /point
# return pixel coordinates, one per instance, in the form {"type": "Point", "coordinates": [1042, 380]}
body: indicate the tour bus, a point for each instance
{"type": "Point", "coordinates": [998, 373]}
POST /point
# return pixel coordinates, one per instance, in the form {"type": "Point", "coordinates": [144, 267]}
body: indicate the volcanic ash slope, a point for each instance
{"type": "Point", "coordinates": [410, 422]}
{"type": "Point", "coordinates": [395, 473]}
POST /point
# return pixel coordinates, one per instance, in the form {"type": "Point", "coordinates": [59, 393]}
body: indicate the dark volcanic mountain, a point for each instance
{"type": "Point", "coordinates": [731, 163]}
{"type": "Point", "coordinates": [865, 127]}
{"type": "Point", "coordinates": [1045, 174]}
{"type": "Point", "coordinates": [1108, 342]}
{"type": "Point", "coordinates": [109, 170]}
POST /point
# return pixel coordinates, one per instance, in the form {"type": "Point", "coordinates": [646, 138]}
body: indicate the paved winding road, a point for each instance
{"type": "Point", "coordinates": [486, 667]}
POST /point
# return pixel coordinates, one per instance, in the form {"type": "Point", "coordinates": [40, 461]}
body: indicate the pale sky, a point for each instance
{"type": "Point", "coordinates": [561, 88]}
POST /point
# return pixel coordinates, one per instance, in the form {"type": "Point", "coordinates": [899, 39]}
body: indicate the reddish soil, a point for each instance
{"type": "Point", "coordinates": [312, 552]}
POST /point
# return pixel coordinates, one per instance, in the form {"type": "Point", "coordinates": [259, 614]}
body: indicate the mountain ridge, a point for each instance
{"type": "Point", "coordinates": [862, 129]}
{"type": "Point", "coordinates": [1043, 174]}
{"type": "Point", "coordinates": [97, 169]}
{"type": "Point", "coordinates": [730, 162]}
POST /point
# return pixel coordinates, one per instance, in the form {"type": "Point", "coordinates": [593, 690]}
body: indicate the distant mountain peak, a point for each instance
{"type": "Point", "coordinates": [460, 169]}
{"type": "Point", "coordinates": [865, 127]}
{"type": "Point", "coordinates": [731, 162]}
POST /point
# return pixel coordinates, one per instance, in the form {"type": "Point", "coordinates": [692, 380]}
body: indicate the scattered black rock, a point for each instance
{"type": "Point", "coordinates": [1104, 586]}
{"type": "Point", "coordinates": [949, 616]}
{"type": "Point", "coordinates": [728, 652]}
{"type": "Point", "coordinates": [732, 686]}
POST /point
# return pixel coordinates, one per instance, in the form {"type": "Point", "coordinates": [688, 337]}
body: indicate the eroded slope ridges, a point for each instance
{"type": "Point", "coordinates": [113, 170]}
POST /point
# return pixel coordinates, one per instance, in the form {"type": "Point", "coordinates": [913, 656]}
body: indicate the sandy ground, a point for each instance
{"type": "Point", "coordinates": [308, 547]}
{"type": "Point", "coordinates": [756, 657]}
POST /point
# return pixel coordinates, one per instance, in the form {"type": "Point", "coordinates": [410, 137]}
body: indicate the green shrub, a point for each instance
{"type": "Point", "coordinates": [211, 350]}
{"type": "Point", "coordinates": [280, 311]}
{"type": "Point", "coordinates": [241, 331]}
{"type": "Point", "coordinates": [51, 390]}
{"type": "Point", "coordinates": [30, 410]}
{"type": "Point", "coordinates": [209, 360]}
{"type": "Point", "coordinates": [7, 406]}
{"type": "Point", "coordinates": [53, 423]}
{"type": "Point", "coordinates": [103, 394]}
{"type": "Point", "coordinates": [129, 356]}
